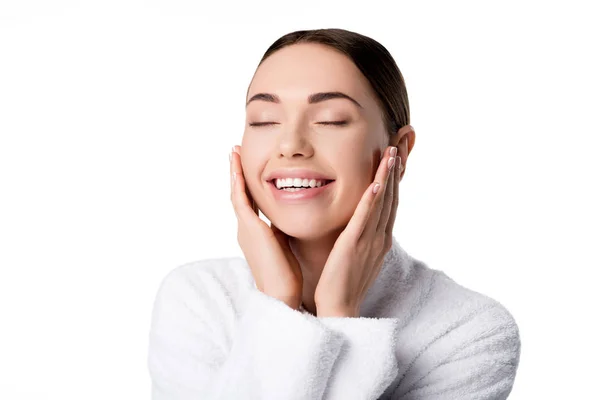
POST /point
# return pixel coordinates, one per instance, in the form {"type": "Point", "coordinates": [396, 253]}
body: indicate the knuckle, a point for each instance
{"type": "Point", "coordinates": [387, 243]}
{"type": "Point", "coordinates": [378, 241]}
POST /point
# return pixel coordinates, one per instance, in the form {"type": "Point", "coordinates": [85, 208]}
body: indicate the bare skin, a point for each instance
{"type": "Point", "coordinates": [324, 252]}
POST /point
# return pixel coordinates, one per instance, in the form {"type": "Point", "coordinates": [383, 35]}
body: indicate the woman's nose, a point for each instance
{"type": "Point", "coordinates": [295, 142]}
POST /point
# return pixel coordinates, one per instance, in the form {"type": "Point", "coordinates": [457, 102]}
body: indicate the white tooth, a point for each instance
{"type": "Point", "coordinates": [291, 183]}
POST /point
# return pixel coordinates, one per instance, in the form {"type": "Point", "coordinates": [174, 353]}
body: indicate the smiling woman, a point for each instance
{"type": "Point", "coordinates": [325, 303]}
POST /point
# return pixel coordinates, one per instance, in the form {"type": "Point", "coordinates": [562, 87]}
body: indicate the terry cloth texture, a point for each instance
{"type": "Point", "coordinates": [420, 336]}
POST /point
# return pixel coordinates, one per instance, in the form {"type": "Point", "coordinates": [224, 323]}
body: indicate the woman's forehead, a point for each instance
{"type": "Point", "coordinates": [301, 70]}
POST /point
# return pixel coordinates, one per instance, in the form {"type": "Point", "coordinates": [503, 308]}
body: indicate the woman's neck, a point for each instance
{"type": "Point", "coordinates": [312, 255]}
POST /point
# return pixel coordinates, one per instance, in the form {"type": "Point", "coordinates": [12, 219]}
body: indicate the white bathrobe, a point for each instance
{"type": "Point", "coordinates": [420, 336]}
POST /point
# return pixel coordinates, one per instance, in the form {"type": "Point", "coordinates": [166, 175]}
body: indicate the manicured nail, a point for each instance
{"type": "Point", "coordinates": [233, 176]}
{"type": "Point", "coordinates": [230, 154]}
{"type": "Point", "coordinates": [376, 188]}
{"type": "Point", "coordinates": [391, 162]}
{"type": "Point", "coordinates": [393, 151]}
{"type": "Point", "coordinates": [399, 163]}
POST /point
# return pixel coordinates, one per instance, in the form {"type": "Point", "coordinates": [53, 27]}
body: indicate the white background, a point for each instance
{"type": "Point", "coordinates": [116, 119]}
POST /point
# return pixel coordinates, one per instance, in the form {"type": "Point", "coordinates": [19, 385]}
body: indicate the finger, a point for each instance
{"type": "Point", "coordinates": [231, 173]}
{"type": "Point", "coordinates": [251, 201]}
{"type": "Point", "coordinates": [382, 176]}
{"type": "Point", "coordinates": [400, 168]}
{"type": "Point", "coordinates": [388, 198]}
{"type": "Point", "coordinates": [241, 203]}
{"type": "Point", "coordinates": [253, 204]}
{"type": "Point", "coordinates": [392, 218]}
{"type": "Point", "coordinates": [357, 223]}
{"type": "Point", "coordinates": [361, 217]}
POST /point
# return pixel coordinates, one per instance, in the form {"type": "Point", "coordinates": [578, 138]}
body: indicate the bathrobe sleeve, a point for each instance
{"type": "Point", "coordinates": [271, 352]}
{"type": "Point", "coordinates": [482, 364]}
{"type": "Point", "coordinates": [367, 362]}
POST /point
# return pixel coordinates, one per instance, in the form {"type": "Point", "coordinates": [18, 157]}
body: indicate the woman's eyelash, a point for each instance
{"type": "Point", "coordinates": [336, 123]}
{"type": "Point", "coordinates": [261, 123]}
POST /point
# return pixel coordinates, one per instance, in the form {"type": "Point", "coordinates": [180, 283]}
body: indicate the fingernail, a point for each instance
{"type": "Point", "coordinates": [376, 188]}
{"type": "Point", "coordinates": [233, 176]}
{"type": "Point", "coordinates": [399, 163]}
{"type": "Point", "coordinates": [391, 162]}
{"type": "Point", "coordinates": [230, 154]}
{"type": "Point", "coordinates": [393, 151]}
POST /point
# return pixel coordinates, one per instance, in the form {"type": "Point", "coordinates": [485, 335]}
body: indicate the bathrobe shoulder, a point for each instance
{"type": "Point", "coordinates": [420, 335]}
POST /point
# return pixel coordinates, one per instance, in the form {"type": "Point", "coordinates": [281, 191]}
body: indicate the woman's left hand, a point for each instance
{"type": "Point", "coordinates": [358, 253]}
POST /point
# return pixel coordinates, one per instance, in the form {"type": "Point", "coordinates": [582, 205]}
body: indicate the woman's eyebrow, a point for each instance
{"type": "Point", "coordinates": [313, 98]}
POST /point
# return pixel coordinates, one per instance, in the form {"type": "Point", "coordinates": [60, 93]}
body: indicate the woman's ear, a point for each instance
{"type": "Point", "coordinates": [410, 136]}
{"type": "Point", "coordinates": [404, 138]}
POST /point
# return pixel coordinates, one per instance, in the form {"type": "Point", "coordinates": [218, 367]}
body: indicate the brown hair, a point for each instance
{"type": "Point", "coordinates": [371, 58]}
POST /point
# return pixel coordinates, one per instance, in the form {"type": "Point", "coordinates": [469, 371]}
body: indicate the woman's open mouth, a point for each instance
{"type": "Point", "coordinates": [298, 191]}
{"type": "Point", "coordinates": [296, 186]}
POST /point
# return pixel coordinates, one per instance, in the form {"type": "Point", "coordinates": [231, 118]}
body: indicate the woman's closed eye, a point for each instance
{"type": "Point", "coordinates": [336, 123]}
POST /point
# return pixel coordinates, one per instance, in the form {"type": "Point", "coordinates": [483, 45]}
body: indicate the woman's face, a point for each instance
{"type": "Point", "coordinates": [298, 139]}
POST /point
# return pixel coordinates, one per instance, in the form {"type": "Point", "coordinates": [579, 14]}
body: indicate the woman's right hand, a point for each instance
{"type": "Point", "coordinates": [267, 250]}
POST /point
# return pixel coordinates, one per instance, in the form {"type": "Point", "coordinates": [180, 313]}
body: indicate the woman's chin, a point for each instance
{"type": "Point", "coordinates": [303, 228]}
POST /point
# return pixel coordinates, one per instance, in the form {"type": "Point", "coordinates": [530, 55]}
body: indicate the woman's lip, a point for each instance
{"type": "Point", "coordinates": [300, 195]}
